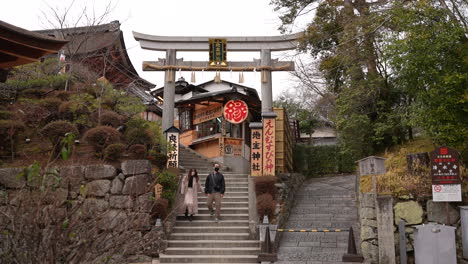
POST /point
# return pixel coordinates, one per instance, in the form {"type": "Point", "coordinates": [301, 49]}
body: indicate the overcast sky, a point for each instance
{"type": "Point", "coordinates": [172, 18]}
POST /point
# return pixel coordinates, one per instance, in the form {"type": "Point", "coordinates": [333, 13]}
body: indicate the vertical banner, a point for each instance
{"type": "Point", "coordinates": [256, 153]}
{"type": "Point", "coordinates": [269, 146]}
{"type": "Point", "coordinates": [172, 135]}
{"type": "Point", "coordinates": [158, 188]}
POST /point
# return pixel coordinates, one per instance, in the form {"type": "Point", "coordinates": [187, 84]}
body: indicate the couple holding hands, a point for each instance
{"type": "Point", "coordinates": [214, 189]}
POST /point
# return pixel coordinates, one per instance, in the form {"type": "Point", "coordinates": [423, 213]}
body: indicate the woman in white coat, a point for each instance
{"type": "Point", "coordinates": [190, 188]}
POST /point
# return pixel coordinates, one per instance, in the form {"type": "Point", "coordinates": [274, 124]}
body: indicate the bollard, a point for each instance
{"type": "Point", "coordinates": [267, 255]}
{"type": "Point", "coordinates": [352, 255]}
{"type": "Point", "coordinates": [267, 244]}
{"type": "Point", "coordinates": [158, 222]}
{"type": "Point", "coordinates": [464, 226]}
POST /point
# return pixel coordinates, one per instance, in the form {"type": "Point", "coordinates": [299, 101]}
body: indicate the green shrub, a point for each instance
{"type": "Point", "coordinates": [114, 151]}
{"type": "Point", "coordinates": [51, 103]}
{"type": "Point", "coordinates": [158, 159]}
{"type": "Point", "coordinates": [4, 114]}
{"type": "Point", "coordinates": [160, 209]}
{"type": "Point", "coordinates": [139, 136]}
{"type": "Point", "coordinates": [170, 185]}
{"type": "Point", "coordinates": [55, 131]}
{"type": "Point", "coordinates": [319, 160]}
{"type": "Point", "coordinates": [138, 151]}
{"type": "Point", "coordinates": [34, 93]}
{"type": "Point", "coordinates": [102, 136]}
{"type": "Point", "coordinates": [72, 111]}
{"type": "Point", "coordinates": [62, 95]}
{"type": "Point", "coordinates": [265, 184]}
{"type": "Point", "coordinates": [265, 206]}
{"type": "Point", "coordinates": [110, 118]}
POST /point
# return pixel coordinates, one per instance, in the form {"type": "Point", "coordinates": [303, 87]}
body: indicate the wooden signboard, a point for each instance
{"type": "Point", "coordinates": [235, 111]}
{"type": "Point", "coordinates": [218, 51]}
{"type": "Point", "coordinates": [158, 188]}
{"type": "Point", "coordinates": [233, 147]}
{"type": "Point", "coordinates": [445, 166]}
{"type": "Point", "coordinates": [269, 146]}
{"type": "Point", "coordinates": [206, 114]}
{"type": "Point", "coordinates": [256, 153]}
{"type": "Point", "coordinates": [172, 135]}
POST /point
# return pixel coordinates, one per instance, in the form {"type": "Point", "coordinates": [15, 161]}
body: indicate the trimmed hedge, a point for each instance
{"type": "Point", "coordinates": [265, 184]}
{"type": "Point", "coordinates": [319, 160]}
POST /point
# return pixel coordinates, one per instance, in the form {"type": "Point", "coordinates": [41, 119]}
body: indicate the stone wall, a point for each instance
{"type": "Point", "coordinates": [413, 213]}
{"type": "Point", "coordinates": [116, 204]}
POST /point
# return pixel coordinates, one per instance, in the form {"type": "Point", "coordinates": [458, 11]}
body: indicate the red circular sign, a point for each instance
{"type": "Point", "coordinates": [235, 111]}
{"type": "Point", "coordinates": [437, 188]}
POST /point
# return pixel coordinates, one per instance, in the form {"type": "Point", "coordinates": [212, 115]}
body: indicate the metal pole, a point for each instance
{"type": "Point", "coordinates": [401, 230]}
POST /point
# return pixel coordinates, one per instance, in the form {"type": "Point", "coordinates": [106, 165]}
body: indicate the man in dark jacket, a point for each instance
{"type": "Point", "coordinates": [214, 188]}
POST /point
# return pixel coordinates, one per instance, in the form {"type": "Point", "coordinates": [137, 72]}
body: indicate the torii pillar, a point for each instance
{"type": "Point", "coordinates": [264, 45]}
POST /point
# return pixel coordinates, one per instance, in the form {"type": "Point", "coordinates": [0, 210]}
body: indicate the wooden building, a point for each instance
{"type": "Point", "coordinates": [205, 129]}
{"type": "Point", "coordinates": [284, 141]}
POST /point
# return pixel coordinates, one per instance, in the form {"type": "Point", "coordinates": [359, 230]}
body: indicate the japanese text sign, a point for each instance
{"type": "Point", "coordinates": [207, 113]}
{"type": "Point", "coordinates": [173, 155]}
{"type": "Point", "coordinates": [269, 147]}
{"type": "Point", "coordinates": [445, 166]}
{"type": "Point", "coordinates": [235, 112]}
{"type": "Point", "coordinates": [218, 52]}
{"type": "Point", "coordinates": [158, 188]}
{"type": "Point", "coordinates": [233, 147]}
{"type": "Point", "coordinates": [256, 153]}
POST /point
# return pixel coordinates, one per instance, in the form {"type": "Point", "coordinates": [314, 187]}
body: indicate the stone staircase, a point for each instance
{"type": "Point", "coordinates": [205, 241]}
{"type": "Point", "coordinates": [189, 159]}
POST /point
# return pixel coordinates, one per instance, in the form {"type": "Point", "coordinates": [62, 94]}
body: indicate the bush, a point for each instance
{"type": "Point", "coordinates": [319, 160]}
{"type": "Point", "coordinates": [266, 206]}
{"type": "Point", "coordinates": [158, 159]}
{"type": "Point", "coordinates": [139, 136]}
{"type": "Point", "coordinates": [110, 118]}
{"type": "Point", "coordinates": [33, 114]}
{"type": "Point", "coordinates": [63, 95]}
{"type": "Point", "coordinates": [51, 103]}
{"type": "Point", "coordinates": [102, 136]}
{"type": "Point", "coordinates": [72, 111]}
{"type": "Point", "coordinates": [169, 182]}
{"type": "Point", "coordinates": [55, 131]}
{"type": "Point", "coordinates": [34, 93]}
{"type": "Point", "coordinates": [265, 184]}
{"type": "Point", "coordinates": [114, 151]}
{"type": "Point", "coordinates": [160, 209]}
{"type": "Point", "coordinates": [138, 151]}
{"type": "Point", "coordinates": [5, 114]}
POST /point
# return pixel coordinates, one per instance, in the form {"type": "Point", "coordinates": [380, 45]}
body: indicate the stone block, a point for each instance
{"type": "Point", "coordinates": [98, 188]}
{"type": "Point", "coordinates": [113, 219]}
{"type": "Point", "coordinates": [370, 251]}
{"type": "Point", "coordinates": [144, 203]}
{"type": "Point", "coordinates": [57, 197]}
{"type": "Point", "coordinates": [9, 178]}
{"type": "Point", "coordinates": [368, 213]}
{"type": "Point", "coordinates": [73, 175]}
{"type": "Point", "coordinates": [94, 206]}
{"type": "Point", "coordinates": [117, 186]}
{"type": "Point", "coordinates": [369, 222]}
{"type": "Point", "coordinates": [135, 167]}
{"type": "Point", "coordinates": [368, 200]}
{"type": "Point", "coordinates": [120, 202]}
{"type": "Point", "coordinates": [436, 213]}
{"type": "Point", "coordinates": [367, 233]}
{"type": "Point", "coordinates": [410, 211]}
{"type": "Point", "coordinates": [137, 185]}
{"type": "Point", "coordinates": [140, 221]}
{"type": "Point", "coordinates": [100, 171]}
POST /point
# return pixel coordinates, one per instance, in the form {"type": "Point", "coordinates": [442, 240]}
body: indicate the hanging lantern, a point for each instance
{"type": "Point", "coordinates": [217, 78]}
{"type": "Point", "coordinates": [241, 77]}
{"type": "Point", "coordinates": [192, 79]}
{"type": "Point", "coordinates": [264, 76]}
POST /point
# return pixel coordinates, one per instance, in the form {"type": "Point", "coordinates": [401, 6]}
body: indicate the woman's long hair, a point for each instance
{"type": "Point", "coordinates": [193, 173]}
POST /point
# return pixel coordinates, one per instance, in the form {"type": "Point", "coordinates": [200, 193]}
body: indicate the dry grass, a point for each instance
{"type": "Point", "coordinates": [397, 181]}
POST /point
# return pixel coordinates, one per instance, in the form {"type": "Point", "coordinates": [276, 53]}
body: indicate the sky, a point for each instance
{"type": "Point", "coordinates": [170, 18]}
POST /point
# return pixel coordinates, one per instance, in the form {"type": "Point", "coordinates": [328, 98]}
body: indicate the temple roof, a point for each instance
{"type": "Point", "coordinates": [20, 46]}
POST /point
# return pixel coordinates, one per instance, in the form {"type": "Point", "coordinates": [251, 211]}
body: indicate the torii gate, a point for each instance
{"type": "Point", "coordinates": [265, 45]}
{"type": "Point", "coordinates": [262, 158]}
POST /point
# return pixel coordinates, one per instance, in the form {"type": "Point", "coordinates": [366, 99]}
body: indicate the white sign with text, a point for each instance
{"type": "Point", "coordinates": [446, 193]}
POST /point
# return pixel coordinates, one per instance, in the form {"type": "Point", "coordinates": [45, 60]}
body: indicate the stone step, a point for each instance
{"type": "Point", "coordinates": [230, 217]}
{"type": "Point", "coordinates": [227, 199]}
{"type": "Point", "coordinates": [212, 251]}
{"type": "Point", "coordinates": [211, 229]}
{"type": "Point", "coordinates": [226, 210]}
{"type": "Point", "coordinates": [209, 236]}
{"type": "Point", "coordinates": [213, 243]}
{"type": "Point", "coordinates": [210, 223]}
{"type": "Point", "coordinates": [228, 195]}
{"type": "Point", "coordinates": [202, 204]}
{"type": "Point", "coordinates": [163, 258]}
{"type": "Point", "coordinates": [231, 183]}
{"type": "Point", "coordinates": [226, 175]}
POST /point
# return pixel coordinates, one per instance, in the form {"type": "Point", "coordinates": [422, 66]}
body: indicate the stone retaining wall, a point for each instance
{"type": "Point", "coordinates": [115, 202]}
{"type": "Point", "coordinates": [414, 213]}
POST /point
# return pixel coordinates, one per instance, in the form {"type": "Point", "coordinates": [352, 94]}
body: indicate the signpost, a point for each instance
{"type": "Point", "coordinates": [256, 149]}
{"type": "Point", "coordinates": [172, 135]}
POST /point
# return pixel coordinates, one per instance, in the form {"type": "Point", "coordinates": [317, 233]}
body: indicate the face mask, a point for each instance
{"type": "Point", "coordinates": [216, 169]}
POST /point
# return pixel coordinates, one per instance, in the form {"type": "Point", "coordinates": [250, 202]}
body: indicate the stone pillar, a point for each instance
{"type": "Point", "coordinates": [267, 93]}
{"type": "Point", "coordinates": [169, 91]}
{"type": "Point", "coordinates": [385, 229]}
{"type": "Point", "coordinates": [464, 226]}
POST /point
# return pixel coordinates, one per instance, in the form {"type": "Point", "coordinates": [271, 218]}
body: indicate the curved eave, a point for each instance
{"type": "Point", "coordinates": [179, 43]}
